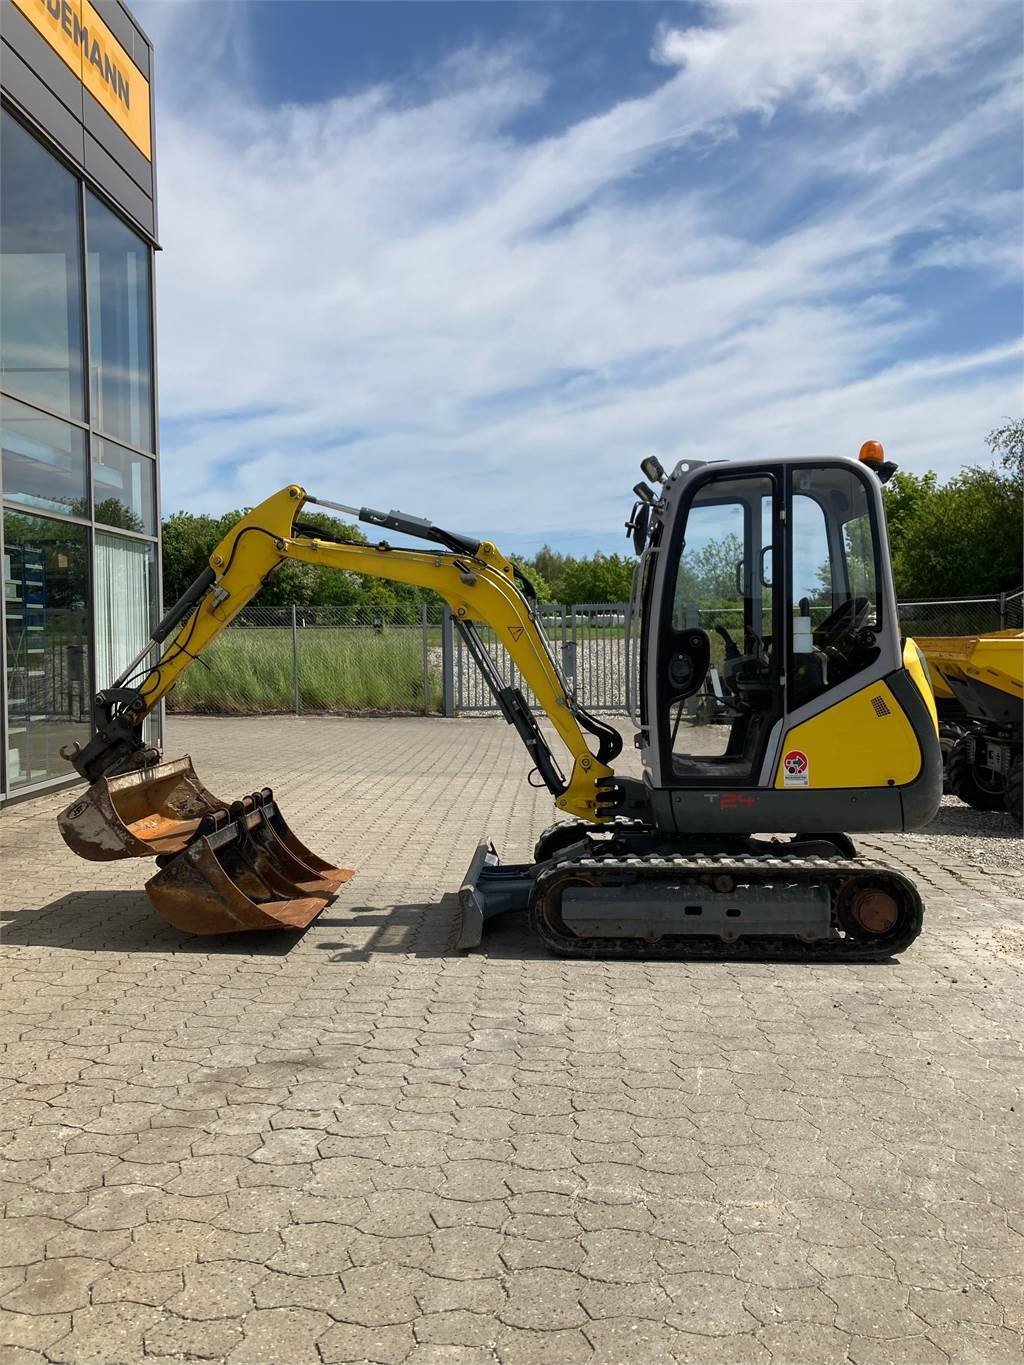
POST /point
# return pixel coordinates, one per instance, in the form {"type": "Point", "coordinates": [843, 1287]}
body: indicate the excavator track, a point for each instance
{"type": "Point", "coordinates": [856, 910]}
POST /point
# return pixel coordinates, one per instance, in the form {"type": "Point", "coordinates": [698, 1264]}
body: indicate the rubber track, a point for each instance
{"type": "Point", "coordinates": [760, 867]}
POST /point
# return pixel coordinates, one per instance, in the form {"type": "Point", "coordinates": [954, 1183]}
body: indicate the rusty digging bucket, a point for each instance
{"type": "Point", "coordinates": [224, 867]}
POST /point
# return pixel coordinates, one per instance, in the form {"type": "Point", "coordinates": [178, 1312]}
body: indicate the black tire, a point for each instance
{"type": "Point", "coordinates": [1015, 791]}
{"type": "Point", "coordinates": [949, 734]}
{"type": "Point", "coordinates": [964, 780]}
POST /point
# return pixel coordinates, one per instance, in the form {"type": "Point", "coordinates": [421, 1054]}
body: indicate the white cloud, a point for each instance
{"type": "Point", "coordinates": [396, 301]}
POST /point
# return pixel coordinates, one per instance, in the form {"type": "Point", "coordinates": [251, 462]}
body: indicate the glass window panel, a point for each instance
{"type": "Point", "coordinates": [723, 587]}
{"type": "Point", "coordinates": [125, 607]}
{"type": "Point", "coordinates": [836, 606]}
{"type": "Point", "coordinates": [123, 488]}
{"type": "Point", "coordinates": [120, 349]}
{"type": "Point", "coordinates": [40, 274]}
{"type": "Point", "coordinates": [44, 461]}
{"type": "Point", "coordinates": [46, 590]}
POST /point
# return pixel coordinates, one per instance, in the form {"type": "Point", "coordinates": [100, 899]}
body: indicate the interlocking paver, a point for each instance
{"type": "Point", "coordinates": [354, 1145]}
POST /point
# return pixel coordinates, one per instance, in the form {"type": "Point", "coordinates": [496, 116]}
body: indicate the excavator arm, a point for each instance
{"type": "Point", "coordinates": [476, 580]}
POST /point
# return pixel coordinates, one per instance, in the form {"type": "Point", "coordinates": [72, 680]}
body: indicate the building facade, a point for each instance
{"type": "Point", "coordinates": [80, 525]}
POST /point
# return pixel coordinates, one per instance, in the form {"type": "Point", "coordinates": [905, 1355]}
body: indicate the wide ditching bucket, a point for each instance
{"type": "Point", "coordinates": [224, 867]}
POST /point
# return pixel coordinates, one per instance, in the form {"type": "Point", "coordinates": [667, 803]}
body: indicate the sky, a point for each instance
{"type": "Point", "coordinates": [475, 261]}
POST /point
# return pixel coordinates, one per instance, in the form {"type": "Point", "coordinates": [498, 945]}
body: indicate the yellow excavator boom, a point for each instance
{"type": "Point", "coordinates": [478, 587]}
{"type": "Point", "coordinates": [237, 865]}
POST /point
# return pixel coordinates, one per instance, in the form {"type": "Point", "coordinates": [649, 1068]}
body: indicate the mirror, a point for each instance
{"type": "Point", "coordinates": [641, 525]}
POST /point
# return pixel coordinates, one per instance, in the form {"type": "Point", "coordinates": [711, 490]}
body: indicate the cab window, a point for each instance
{"type": "Point", "coordinates": [834, 571]}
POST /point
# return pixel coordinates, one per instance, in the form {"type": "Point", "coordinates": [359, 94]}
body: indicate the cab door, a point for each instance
{"type": "Point", "coordinates": [715, 690]}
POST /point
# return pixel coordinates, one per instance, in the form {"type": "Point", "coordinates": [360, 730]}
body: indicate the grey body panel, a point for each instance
{"type": "Point", "coordinates": [790, 811]}
{"type": "Point", "coordinates": [690, 909]}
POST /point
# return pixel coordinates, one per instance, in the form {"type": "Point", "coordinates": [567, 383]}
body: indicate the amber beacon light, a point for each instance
{"type": "Point", "coordinates": [871, 452]}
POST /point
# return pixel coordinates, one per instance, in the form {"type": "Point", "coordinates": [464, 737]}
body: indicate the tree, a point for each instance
{"type": "Point", "coordinates": [601, 578]}
{"type": "Point", "coordinates": [1007, 442]}
{"type": "Point", "coordinates": [904, 496]}
{"type": "Point", "coordinates": [550, 565]}
{"type": "Point", "coordinates": [189, 540]}
{"type": "Point", "coordinates": [964, 538]}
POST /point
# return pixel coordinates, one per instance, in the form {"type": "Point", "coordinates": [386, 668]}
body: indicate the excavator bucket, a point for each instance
{"type": "Point", "coordinates": [245, 870]}
{"type": "Point", "coordinates": [142, 814]}
{"type": "Point", "coordinates": [223, 867]}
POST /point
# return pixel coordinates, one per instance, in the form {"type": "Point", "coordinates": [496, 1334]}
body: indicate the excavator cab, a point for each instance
{"type": "Point", "coordinates": [765, 586]}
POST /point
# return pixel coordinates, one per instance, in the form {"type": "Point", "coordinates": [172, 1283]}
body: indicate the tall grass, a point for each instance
{"type": "Point", "coordinates": [249, 672]}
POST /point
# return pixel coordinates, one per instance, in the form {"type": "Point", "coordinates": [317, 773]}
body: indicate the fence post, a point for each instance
{"type": "Point", "coordinates": [447, 664]}
{"type": "Point", "coordinates": [426, 659]}
{"type": "Point", "coordinates": [1002, 611]}
{"type": "Point", "coordinates": [295, 658]}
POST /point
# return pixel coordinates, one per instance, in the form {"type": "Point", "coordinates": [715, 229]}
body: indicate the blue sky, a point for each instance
{"type": "Point", "coordinates": [476, 260]}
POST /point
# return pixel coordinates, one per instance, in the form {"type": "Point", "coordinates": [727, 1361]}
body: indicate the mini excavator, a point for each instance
{"type": "Point", "coordinates": [766, 581]}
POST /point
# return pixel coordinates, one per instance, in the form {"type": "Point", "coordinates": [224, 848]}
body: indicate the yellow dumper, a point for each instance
{"type": "Point", "coordinates": [979, 691]}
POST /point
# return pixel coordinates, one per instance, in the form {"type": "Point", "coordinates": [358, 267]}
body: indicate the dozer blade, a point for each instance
{"type": "Point", "coordinates": [144, 814]}
{"type": "Point", "coordinates": [490, 889]}
{"type": "Point", "coordinates": [240, 873]}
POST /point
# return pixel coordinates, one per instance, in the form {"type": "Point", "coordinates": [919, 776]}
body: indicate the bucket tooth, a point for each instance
{"type": "Point", "coordinates": [223, 883]}
{"type": "Point", "coordinates": [144, 814]}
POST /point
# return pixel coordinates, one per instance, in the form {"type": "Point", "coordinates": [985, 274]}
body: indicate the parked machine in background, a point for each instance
{"type": "Point", "coordinates": [979, 691]}
{"type": "Point", "coordinates": [831, 729]}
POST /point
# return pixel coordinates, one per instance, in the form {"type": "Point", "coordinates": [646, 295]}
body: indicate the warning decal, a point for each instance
{"type": "Point", "coordinates": [515, 631]}
{"type": "Point", "coordinates": [795, 769]}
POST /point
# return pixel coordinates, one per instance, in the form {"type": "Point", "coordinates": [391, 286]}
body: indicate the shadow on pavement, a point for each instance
{"type": "Point", "coordinates": [424, 929]}
{"type": "Point", "coordinates": [125, 922]}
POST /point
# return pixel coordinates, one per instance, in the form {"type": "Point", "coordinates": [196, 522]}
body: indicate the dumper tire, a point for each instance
{"type": "Point", "coordinates": [963, 779]}
{"type": "Point", "coordinates": [1015, 791]}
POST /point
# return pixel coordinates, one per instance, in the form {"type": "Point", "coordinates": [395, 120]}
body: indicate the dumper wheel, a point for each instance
{"type": "Point", "coordinates": [1014, 792]}
{"type": "Point", "coordinates": [966, 781]}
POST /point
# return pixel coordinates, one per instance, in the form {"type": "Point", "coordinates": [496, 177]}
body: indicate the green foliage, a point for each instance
{"type": "Point", "coordinates": [189, 540]}
{"type": "Point", "coordinates": [905, 495]}
{"type": "Point", "coordinates": [551, 567]}
{"type": "Point", "coordinates": [601, 578]}
{"type": "Point", "coordinates": [963, 537]}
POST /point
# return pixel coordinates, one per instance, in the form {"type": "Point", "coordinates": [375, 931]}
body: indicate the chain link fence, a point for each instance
{"type": "Point", "coordinates": [407, 659]}
{"type": "Point", "coordinates": [962, 615]}
{"type": "Point", "coordinates": [319, 660]}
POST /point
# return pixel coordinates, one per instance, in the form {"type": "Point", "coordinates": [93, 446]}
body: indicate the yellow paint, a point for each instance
{"type": "Point", "coordinates": [922, 677]}
{"type": "Point", "coordinates": [851, 745]}
{"type": "Point", "coordinates": [996, 659]}
{"type": "Point", "coordinates": [263, 539]}
{"type": "Point", "coordinates": [82, 40]}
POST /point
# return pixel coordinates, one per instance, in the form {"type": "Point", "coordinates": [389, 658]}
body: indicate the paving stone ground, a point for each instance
{"type": "Point", "coordinates": [354, 1146]}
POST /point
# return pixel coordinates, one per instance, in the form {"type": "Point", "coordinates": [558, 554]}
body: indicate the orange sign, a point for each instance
{"type": "Point", "coordinates": [80, 37]}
